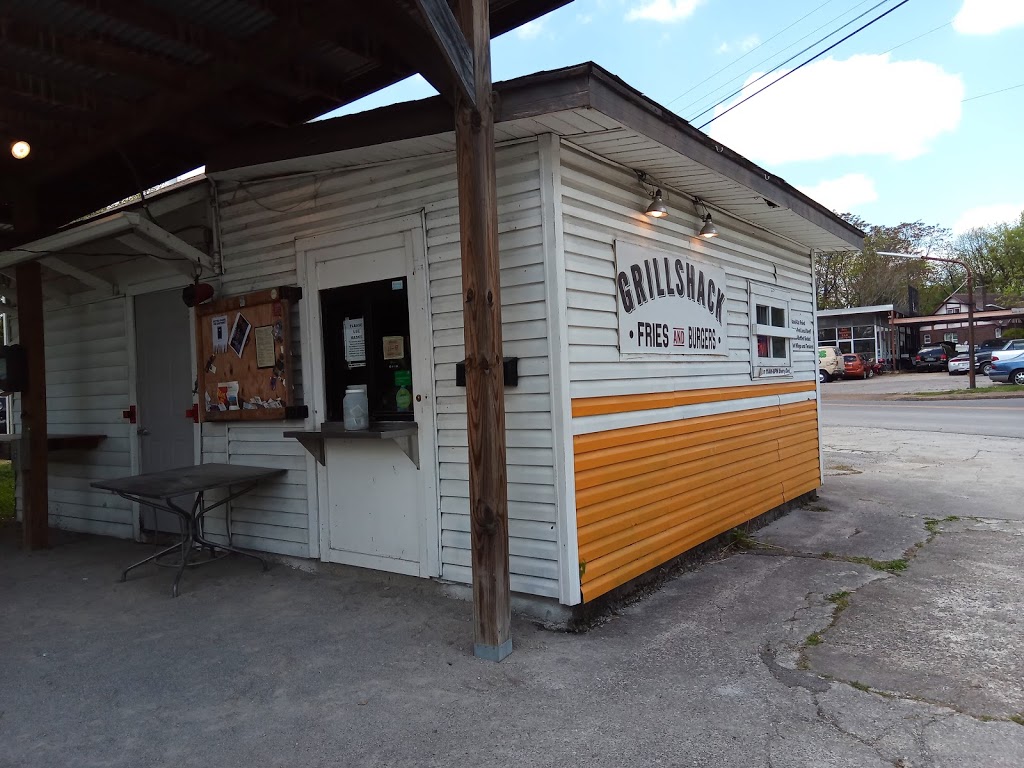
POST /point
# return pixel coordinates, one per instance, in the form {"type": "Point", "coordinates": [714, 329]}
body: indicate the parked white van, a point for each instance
{"type": "Point", "coordinates": [830, 363]}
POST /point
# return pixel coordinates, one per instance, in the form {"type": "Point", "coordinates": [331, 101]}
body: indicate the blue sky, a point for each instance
{"type": "Point", "coordinates": [887, 126]}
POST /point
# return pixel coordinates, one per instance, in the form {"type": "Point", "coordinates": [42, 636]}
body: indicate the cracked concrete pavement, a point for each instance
{"type": "Point", "coordinates": [922, 667]}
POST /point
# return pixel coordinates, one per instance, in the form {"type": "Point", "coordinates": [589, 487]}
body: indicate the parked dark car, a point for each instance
{"type": "Point", "coordinates": [933, 358]}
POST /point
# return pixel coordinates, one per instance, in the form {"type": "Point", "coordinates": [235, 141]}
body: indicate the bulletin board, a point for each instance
{"type": "Point", "coordinates": [244, 356]}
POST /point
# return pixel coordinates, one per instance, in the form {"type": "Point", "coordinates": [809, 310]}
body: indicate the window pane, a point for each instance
{"type": "Point", "coordinates": [864, 332]}
{"type": "Point", "coordinates": [826, 334]}
{"type": "Point", "coordinates": [845, 332]}
{"type": "Point", "coordinates": [846, 346]}
{"type": "Point", "coordinates": [778, 317]}
{"type": "Point", "coordinates": [762, 314]}
{"type": "Point", "coordinates": [762, 346]}
{"type": "Point", "coordinates": [778, 347]}
{"type": "Point", "coordinates": [864, 347]}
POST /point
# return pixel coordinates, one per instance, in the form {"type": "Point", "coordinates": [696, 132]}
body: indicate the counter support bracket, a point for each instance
{"type": "Point", "coordinates": [403, 433]}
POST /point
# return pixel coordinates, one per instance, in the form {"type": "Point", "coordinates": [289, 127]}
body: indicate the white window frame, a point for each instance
{"type": "Point", "coordinates": [952, 309]}
{"type": "Point", "coordinates": [949, 337]}
{"type": "Point", "coordinates": [926, 338]}
{"type": "Point", "coordinates": [765, 295]}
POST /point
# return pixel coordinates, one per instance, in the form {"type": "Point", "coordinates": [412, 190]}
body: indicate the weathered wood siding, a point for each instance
{"type": "Point", "coordinates": [260, 223]}
{"type": "Point", "coordinates": [86, 391]}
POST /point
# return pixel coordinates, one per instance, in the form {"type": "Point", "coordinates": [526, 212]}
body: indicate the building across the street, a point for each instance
{"type": "Point", "coordinates": [868, 331]}
{"type": "Point", "coordinates": [992, 316]}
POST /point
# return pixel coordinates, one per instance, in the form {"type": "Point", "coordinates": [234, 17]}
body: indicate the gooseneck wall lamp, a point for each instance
{"type": "Point", "coordinates": [657, 209]}
{"type": "Point", "coordinates": [707, 231]}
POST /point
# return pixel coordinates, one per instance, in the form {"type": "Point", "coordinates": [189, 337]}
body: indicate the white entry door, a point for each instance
{"type": "Point", "coordinates": [163, 392]}
{"type": "Point", "coordinates": [378, 503]}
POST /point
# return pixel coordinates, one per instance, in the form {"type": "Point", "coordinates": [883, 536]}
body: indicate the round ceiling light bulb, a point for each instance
{"type": "Point", "coordinates": [20, 150]}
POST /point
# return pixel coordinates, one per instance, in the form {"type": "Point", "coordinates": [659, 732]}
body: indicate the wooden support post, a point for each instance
{"type": "Point", "coordinates": [485, 396]}
{"type": "Point", "coordinates": [35, 501]}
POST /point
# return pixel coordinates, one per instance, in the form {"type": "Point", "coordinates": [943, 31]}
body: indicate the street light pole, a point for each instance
{"type": "Point", "coordinates": [972, 383]}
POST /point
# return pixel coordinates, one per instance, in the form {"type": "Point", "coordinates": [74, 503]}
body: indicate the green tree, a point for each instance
{"type": "Point", "coordinates": [864, 278]}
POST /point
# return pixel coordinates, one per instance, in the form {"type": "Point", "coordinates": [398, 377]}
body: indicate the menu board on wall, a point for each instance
{"type": "Point", "coordinates": [669, 303]}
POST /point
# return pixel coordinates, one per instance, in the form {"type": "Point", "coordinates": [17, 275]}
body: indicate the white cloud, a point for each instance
{"type": "Point", "coordinates": [987, 215]}
{"type": "Point", "coordinates": [845, 193]}
{"type": "Point", "coordinates": [531, 30]}
{"type": "Point", "coordinates": [749, 42]}
{"type": "Point", "coordinates": [663, 10]}
{"type": "Point", "coordinates": [864, 105]}
{"type": "Point", "coordinates": [746, 44]}
{"type": "Point", "coordinates": [584, 18]}
{"type": "Point", "coordinates": [986, 17]}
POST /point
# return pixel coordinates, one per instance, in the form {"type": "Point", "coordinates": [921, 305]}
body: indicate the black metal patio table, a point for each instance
{"type": "Point", "coordinates": [160, 489]}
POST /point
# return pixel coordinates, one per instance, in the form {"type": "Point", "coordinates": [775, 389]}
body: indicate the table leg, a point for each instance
{"type": "Point", "coordinates": [161, 553]}
{"type": "Point", "coordinates": [199, 526]}
{"type": "Point", "coordinates": [188, 537]}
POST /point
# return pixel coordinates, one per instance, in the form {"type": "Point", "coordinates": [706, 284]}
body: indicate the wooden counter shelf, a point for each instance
{"type": "Point", "coordinates": [313, 440]}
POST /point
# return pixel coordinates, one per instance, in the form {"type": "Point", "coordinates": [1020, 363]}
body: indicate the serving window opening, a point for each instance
{"type": "Point", "coordinates": [366, 342]}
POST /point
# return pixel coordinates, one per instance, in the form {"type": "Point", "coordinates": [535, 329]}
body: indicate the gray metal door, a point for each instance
{"type": "Point", "coordinates": [164, 392]}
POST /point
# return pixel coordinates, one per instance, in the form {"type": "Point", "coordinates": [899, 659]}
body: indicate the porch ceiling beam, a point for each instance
{"type": "Point", "coordinates": [90, 279]}
{"type": "Point", "coordinates": [171, 243]}
{"type": "Point", "coordinates": [405, 39]}
{"type": "Point", "coordinates": [155, 252]}
{"type": "Point", "coordinates": [444, 28]}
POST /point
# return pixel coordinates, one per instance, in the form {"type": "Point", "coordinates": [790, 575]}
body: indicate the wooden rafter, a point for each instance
{"type": "Point", "coordinates": [443, 27]}
{"type": "Point", "coordinates": [261, 55]}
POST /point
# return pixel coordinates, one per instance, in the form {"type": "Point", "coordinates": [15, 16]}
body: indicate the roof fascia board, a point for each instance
{"type": "Point", "coordinates": [856, 310]}
{"type": "Point", "coordinates": [517, 99]}
{"type": "Point", "coordinates": [113, 226]}
{"type": "Point", "coordinates": [611, 97]}
{"type": "Point", "coordinates": [108, 226]}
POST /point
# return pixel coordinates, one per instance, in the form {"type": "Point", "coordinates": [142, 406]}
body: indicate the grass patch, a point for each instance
{"type": "Point", "coordinates": [742, 539]}
{"type": "Point", "coordinates": [814, 639]}
{"type": "Point", "coordinates": [1018, 719]}
{"type": "Point", "coordinates": [841, 600]}
{"type": "Point", "coordinates": [931, 524]}
{"type": "Point", "coordinates": [995, 389]}
{"type": "Point", "coordinates": [860, 686]}
{"type": "Point", "coordinates": [6, 491]}
{"type": "Point", "coordinates": [892, 566]}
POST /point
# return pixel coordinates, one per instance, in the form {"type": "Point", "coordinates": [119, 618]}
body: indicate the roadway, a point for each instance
{"type": "Point", "coordinates": [994, 418]}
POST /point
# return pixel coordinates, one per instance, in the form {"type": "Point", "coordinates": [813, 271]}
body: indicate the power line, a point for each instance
{"type": "Point", "coordinates": [804, 64]}
{"type": "Point", "coordinates": [907, 42]}
{"type": "Point", "coordinates": [992, 93]}
{"type": "Point", "coordinates": [741, 58]}
{"type": "Point", "coordinates": [794, 56]}
{"type": "Point", "coordinates": [786, 48]}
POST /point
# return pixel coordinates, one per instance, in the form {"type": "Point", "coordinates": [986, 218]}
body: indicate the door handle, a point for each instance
{"type": "Point", "coordinates": [142, 431]}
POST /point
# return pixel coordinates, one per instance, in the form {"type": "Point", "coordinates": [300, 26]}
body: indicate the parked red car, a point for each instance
{"type": "Point", "coordinates": [857, 367]}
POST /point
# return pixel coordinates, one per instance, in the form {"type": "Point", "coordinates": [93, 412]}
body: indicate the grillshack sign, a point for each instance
{"type": "Point", "coordinates": [669, 304]}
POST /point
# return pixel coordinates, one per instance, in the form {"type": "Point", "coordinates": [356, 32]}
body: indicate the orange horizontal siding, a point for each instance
{"type": "Point", "coordinates": [647, 457]}
{"type": "Point", "coordinates": [597, 406]}
{"type": "Point", "coordinates": [647, 494]}
{"type": "Point", "coordinates": [584, 444]}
